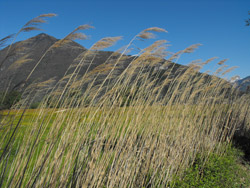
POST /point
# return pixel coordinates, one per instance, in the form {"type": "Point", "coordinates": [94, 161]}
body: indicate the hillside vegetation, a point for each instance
{"type": "Point", "coordinates": [128, 121]}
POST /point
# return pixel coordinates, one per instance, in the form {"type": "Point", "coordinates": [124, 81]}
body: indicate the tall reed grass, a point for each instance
{"type": "Point", "coordinates": [133, 121]}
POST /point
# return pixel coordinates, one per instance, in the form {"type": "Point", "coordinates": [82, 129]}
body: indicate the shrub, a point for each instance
{"type": "Point", "coordinates": [217, 171]}
{"type": "Point", "coordinates": [9, 99]}
{"type": "Point", "coordinates": [34, 105]}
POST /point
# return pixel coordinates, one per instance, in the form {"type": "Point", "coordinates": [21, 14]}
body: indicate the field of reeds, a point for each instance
{"type": "Point", "coordinates": [142, 127]}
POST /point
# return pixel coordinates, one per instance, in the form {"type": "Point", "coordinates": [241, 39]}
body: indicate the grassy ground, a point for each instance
{"type": "Point", "coordinates": [218, 170]}
{"type": "Point", "coordinates": [227, 170]}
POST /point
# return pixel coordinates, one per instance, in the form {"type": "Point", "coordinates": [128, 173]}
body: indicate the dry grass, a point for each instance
{"type": "Point", "coordinates": [137, 129]}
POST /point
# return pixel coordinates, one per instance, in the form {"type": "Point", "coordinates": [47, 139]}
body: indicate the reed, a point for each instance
{"type": "Point", "coordinates": [136, 127]}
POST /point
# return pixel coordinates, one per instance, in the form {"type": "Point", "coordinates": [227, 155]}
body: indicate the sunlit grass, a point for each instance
{"type": "Point", "coordinates": [140, 127]}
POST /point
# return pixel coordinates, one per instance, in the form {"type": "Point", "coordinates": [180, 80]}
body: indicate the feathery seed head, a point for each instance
{"type": "Point", "coordinates": [4, 40]}
{"type": "Point", "coordinates": [222, 62]}
{"type": "Point", "coordinates": [155, 29]}
{"type": "Point", "coordinates": [191, 48]}
{"type": "Point", "coordinates": [28, 29]}
{"type": "Point", "coordinates": [175, 55]}
{"type": "Point", "coordinates": [35, 22]}
{"type": "Point", "coordinates": [105, 43]}
{"type": "Point", "coordinates": [49, 15]}
{"type": "Point", "coordinates": [196, 65]}
{"type": "Point", "coordinates": [77, 36]}
{"type": "Point", "coordinates": [46, 83]}
{"type": "Point", "coordinates": [24, 59]}
{"type": "Point", "coordinates": [155, 45]}
{"type": "Point", "coordinates": [84, 27]}
{"type": "Point", "coordinates": [209, 60]}
{"type": "Point", "coordinates": [220, 69]}
{"type": "Point", "coordinates": [229, 70]}
{"type": "Point", "coordinates": [146, 35]}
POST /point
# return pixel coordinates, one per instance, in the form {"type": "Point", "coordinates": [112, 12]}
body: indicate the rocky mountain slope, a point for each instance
{"type": "Point", "coordinates": [38, 64]}
{"type": "Point", "coordinates": [53, 64]}
{"type": "Point", "coordinates": [25, 55]}
{"type": "Point", "coordinates": [243, 84]}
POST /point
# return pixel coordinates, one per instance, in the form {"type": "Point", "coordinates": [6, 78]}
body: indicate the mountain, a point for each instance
{"type": "Point", "coordinates": [52, 67]}
{"type": "Point", "coordinates": [243, 84]}
{"type": "Point", "coordinates": [23, 56]}
{"type": "Point", "coordinates": [36, 65]}
{"type": "Point", "coordinates": [54, 64]}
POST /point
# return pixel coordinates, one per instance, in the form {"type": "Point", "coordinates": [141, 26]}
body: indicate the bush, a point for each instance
{"type": "Point", "coordinates": [34, 105]}
{"type": "Point", "coordinates": [218, 171]}
{"type": "Point", "coordinates": [8, 100]}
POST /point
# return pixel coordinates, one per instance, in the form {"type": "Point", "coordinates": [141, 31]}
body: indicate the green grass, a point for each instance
{"type": "Point", "coordinates": [20, 136]}
{"type": "Point", "coordinates": [217, 171]}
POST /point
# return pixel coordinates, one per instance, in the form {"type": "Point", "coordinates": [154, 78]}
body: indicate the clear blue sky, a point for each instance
{"type": "Point", "coordinates": [217, 24]}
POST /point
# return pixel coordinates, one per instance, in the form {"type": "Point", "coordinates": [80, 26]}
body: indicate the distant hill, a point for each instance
{"type": "Point", "coordinates": [53, 65]}
{"type": "Point", "coordinates": [50, 70]}
{"type": "Point", "coordinates": [243, 84]}
{"type": "Point", "coordinates": [57, 65]}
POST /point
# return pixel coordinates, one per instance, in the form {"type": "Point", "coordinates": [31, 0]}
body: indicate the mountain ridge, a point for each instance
{"type": "Point", "coordinates": [57, 65]}
{"type": "Point", "coordinates": [243, 84]}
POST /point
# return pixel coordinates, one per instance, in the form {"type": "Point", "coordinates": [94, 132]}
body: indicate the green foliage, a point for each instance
{"type": "Point", "coordinates": [35, 105]}
{"type": "Point", "coordinates": [217, 171]}
{"type": "Point", "coordinates": [9, 99]}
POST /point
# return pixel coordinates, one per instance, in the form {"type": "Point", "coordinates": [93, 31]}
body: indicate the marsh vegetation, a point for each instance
{"type": "Point", "coordinates": [146, 125]}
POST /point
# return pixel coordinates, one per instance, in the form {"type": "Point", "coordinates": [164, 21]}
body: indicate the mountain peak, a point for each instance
{"type": "Point", "coordinates": [43, 36]}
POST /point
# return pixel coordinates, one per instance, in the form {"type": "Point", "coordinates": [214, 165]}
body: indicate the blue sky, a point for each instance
{"type": "Point", "coordinates": [219, 25]}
